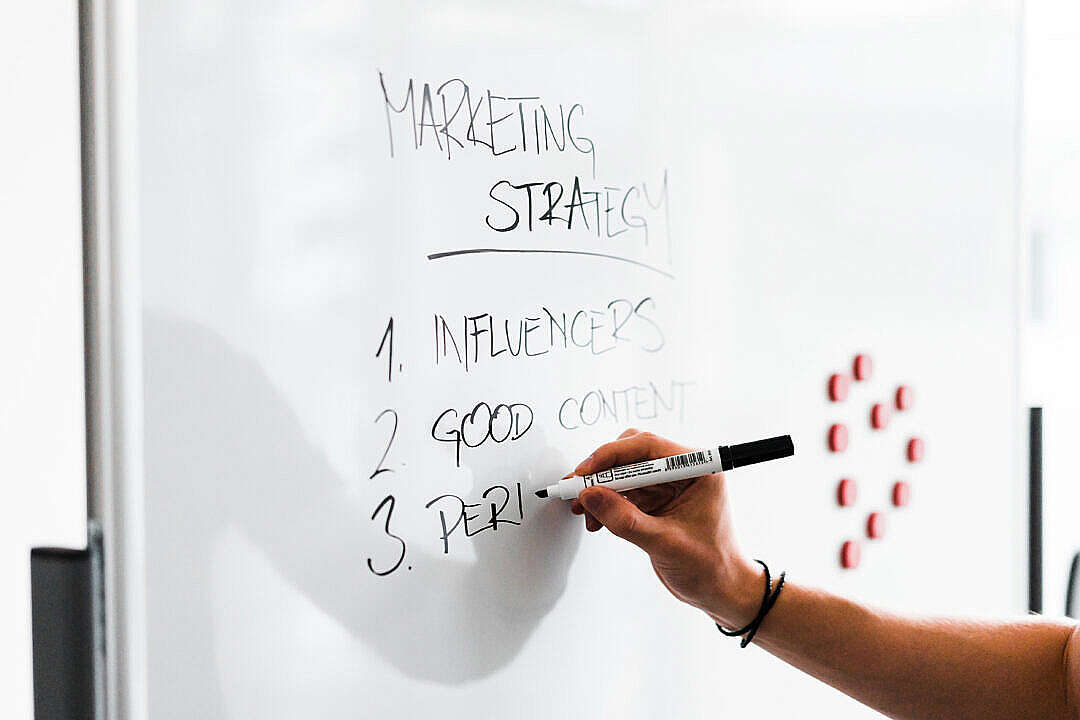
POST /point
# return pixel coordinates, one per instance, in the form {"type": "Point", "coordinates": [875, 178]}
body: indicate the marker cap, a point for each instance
{"type": "Point", "coordinates": [762, 450]}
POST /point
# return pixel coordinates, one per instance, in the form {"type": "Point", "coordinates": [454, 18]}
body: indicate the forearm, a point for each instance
{"type": "Point", "coordinates": [923, 668]}
{"type": "Point", "coordinates": [904, 667]}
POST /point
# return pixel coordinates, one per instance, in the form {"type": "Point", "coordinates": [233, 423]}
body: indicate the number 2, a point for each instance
{"type": "Point", "coordinates": [393, 432]}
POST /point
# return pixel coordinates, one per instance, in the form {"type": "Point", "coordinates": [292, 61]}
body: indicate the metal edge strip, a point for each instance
{"type": "Point", "coordinates": [112, 343]}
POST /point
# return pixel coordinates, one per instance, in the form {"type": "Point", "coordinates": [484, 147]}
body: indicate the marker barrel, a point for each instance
{"type": "Point", "coordinates": [677, 467]}
{"type": "Point", "coordinates": [642, 474]}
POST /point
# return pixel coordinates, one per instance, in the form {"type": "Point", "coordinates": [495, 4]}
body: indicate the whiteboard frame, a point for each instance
{"type": "Point", "coordinates": [107, 32]}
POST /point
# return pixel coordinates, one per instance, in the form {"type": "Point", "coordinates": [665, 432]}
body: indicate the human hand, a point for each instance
{"type": "Point", "coordinates": [684, 526]}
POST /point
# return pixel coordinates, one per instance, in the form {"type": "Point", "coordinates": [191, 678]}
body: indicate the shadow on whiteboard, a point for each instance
{"type": "Point", "coordinates": [224, 450]}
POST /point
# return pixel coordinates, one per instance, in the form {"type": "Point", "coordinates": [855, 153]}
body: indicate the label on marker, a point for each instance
{"type": "Point", "coordinates": [683, 466]}
{"type": "Point", "coordinates": [649, 467]}
{"type": "Point", "coordinates": [687, 459]}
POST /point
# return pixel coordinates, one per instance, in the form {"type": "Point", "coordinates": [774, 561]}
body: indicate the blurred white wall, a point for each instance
{"type": "Point", "coordinates": [1050, 239]}
{"type": "Point", "coordinates": [42, 437]}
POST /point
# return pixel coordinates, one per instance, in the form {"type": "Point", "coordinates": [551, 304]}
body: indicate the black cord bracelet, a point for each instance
{"type": "Point", "coordinates": [768, 599]}
{"type": "Point", "coordinates": [764, 599]}
{"type": "Point", "coordinates": [765, 610]}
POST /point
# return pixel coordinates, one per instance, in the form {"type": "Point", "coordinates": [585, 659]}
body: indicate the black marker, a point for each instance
{"type": "Point", "coordinates": [677, 467]}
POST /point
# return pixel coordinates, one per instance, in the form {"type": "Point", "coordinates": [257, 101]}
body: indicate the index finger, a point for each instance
{"type": "Point", "coordinates": [632, 448]}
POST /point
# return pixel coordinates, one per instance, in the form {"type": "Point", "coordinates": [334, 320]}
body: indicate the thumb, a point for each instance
{"type": "Point", "coordinates": [622, 517]}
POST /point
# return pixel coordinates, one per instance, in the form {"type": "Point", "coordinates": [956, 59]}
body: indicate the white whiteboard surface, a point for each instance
{"type": "Point", "coordinates": [837, 181]}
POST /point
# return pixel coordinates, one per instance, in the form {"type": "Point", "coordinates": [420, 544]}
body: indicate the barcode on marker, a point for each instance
{"type": "Point", "coordinates": [681, 461]}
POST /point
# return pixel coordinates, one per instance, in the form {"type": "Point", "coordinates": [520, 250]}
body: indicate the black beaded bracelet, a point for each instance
{"type": "Point", "coordinates": [768, 599]}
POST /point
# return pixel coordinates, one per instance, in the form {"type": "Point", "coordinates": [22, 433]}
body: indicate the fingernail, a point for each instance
{"type": "Point", "coordinates": [583, 462]}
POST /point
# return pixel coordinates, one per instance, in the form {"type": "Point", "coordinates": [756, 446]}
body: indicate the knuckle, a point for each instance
{"type": "Point", "coordinates": [628, 525]}
{"type": "Point", "coordinates": [601, 454]}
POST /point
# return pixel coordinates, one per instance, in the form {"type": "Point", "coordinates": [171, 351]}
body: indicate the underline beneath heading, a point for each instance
{"type": "Point", "coordinates": [542, 251]}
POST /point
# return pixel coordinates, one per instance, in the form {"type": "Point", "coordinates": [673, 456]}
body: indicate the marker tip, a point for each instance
{"type": "Point", "coordinates": [541, 493]}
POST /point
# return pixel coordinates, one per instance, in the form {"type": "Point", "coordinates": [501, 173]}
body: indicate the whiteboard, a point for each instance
{"type": "Point", "coordinates": [338, 512]}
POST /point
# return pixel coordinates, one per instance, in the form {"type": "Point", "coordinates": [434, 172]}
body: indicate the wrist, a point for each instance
{"type": "Point", "coordinates": [737, 596]}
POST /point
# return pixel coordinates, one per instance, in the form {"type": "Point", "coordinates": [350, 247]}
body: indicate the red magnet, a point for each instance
{"type": "Point", "coordinates": [903, 398]}
{"type": "Point", "coordinates": [839, 385]}
{"type": "Point", "coordinates": [862, 367]}
{"type": "Point", "coordinates": [849, 555]}
{"type": "Point", "coordinates": [875, 525]}
{"type": "Point", "coordinates": [901, 493]}
{"type": "Point", "coordinates": [915, 449]}
{"type": "Point", "coordinates": [838, 437]}
{"type": "Point", "coordinates": [879, 416]}
{"type": "Point", "coordinates": [846, 492]}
